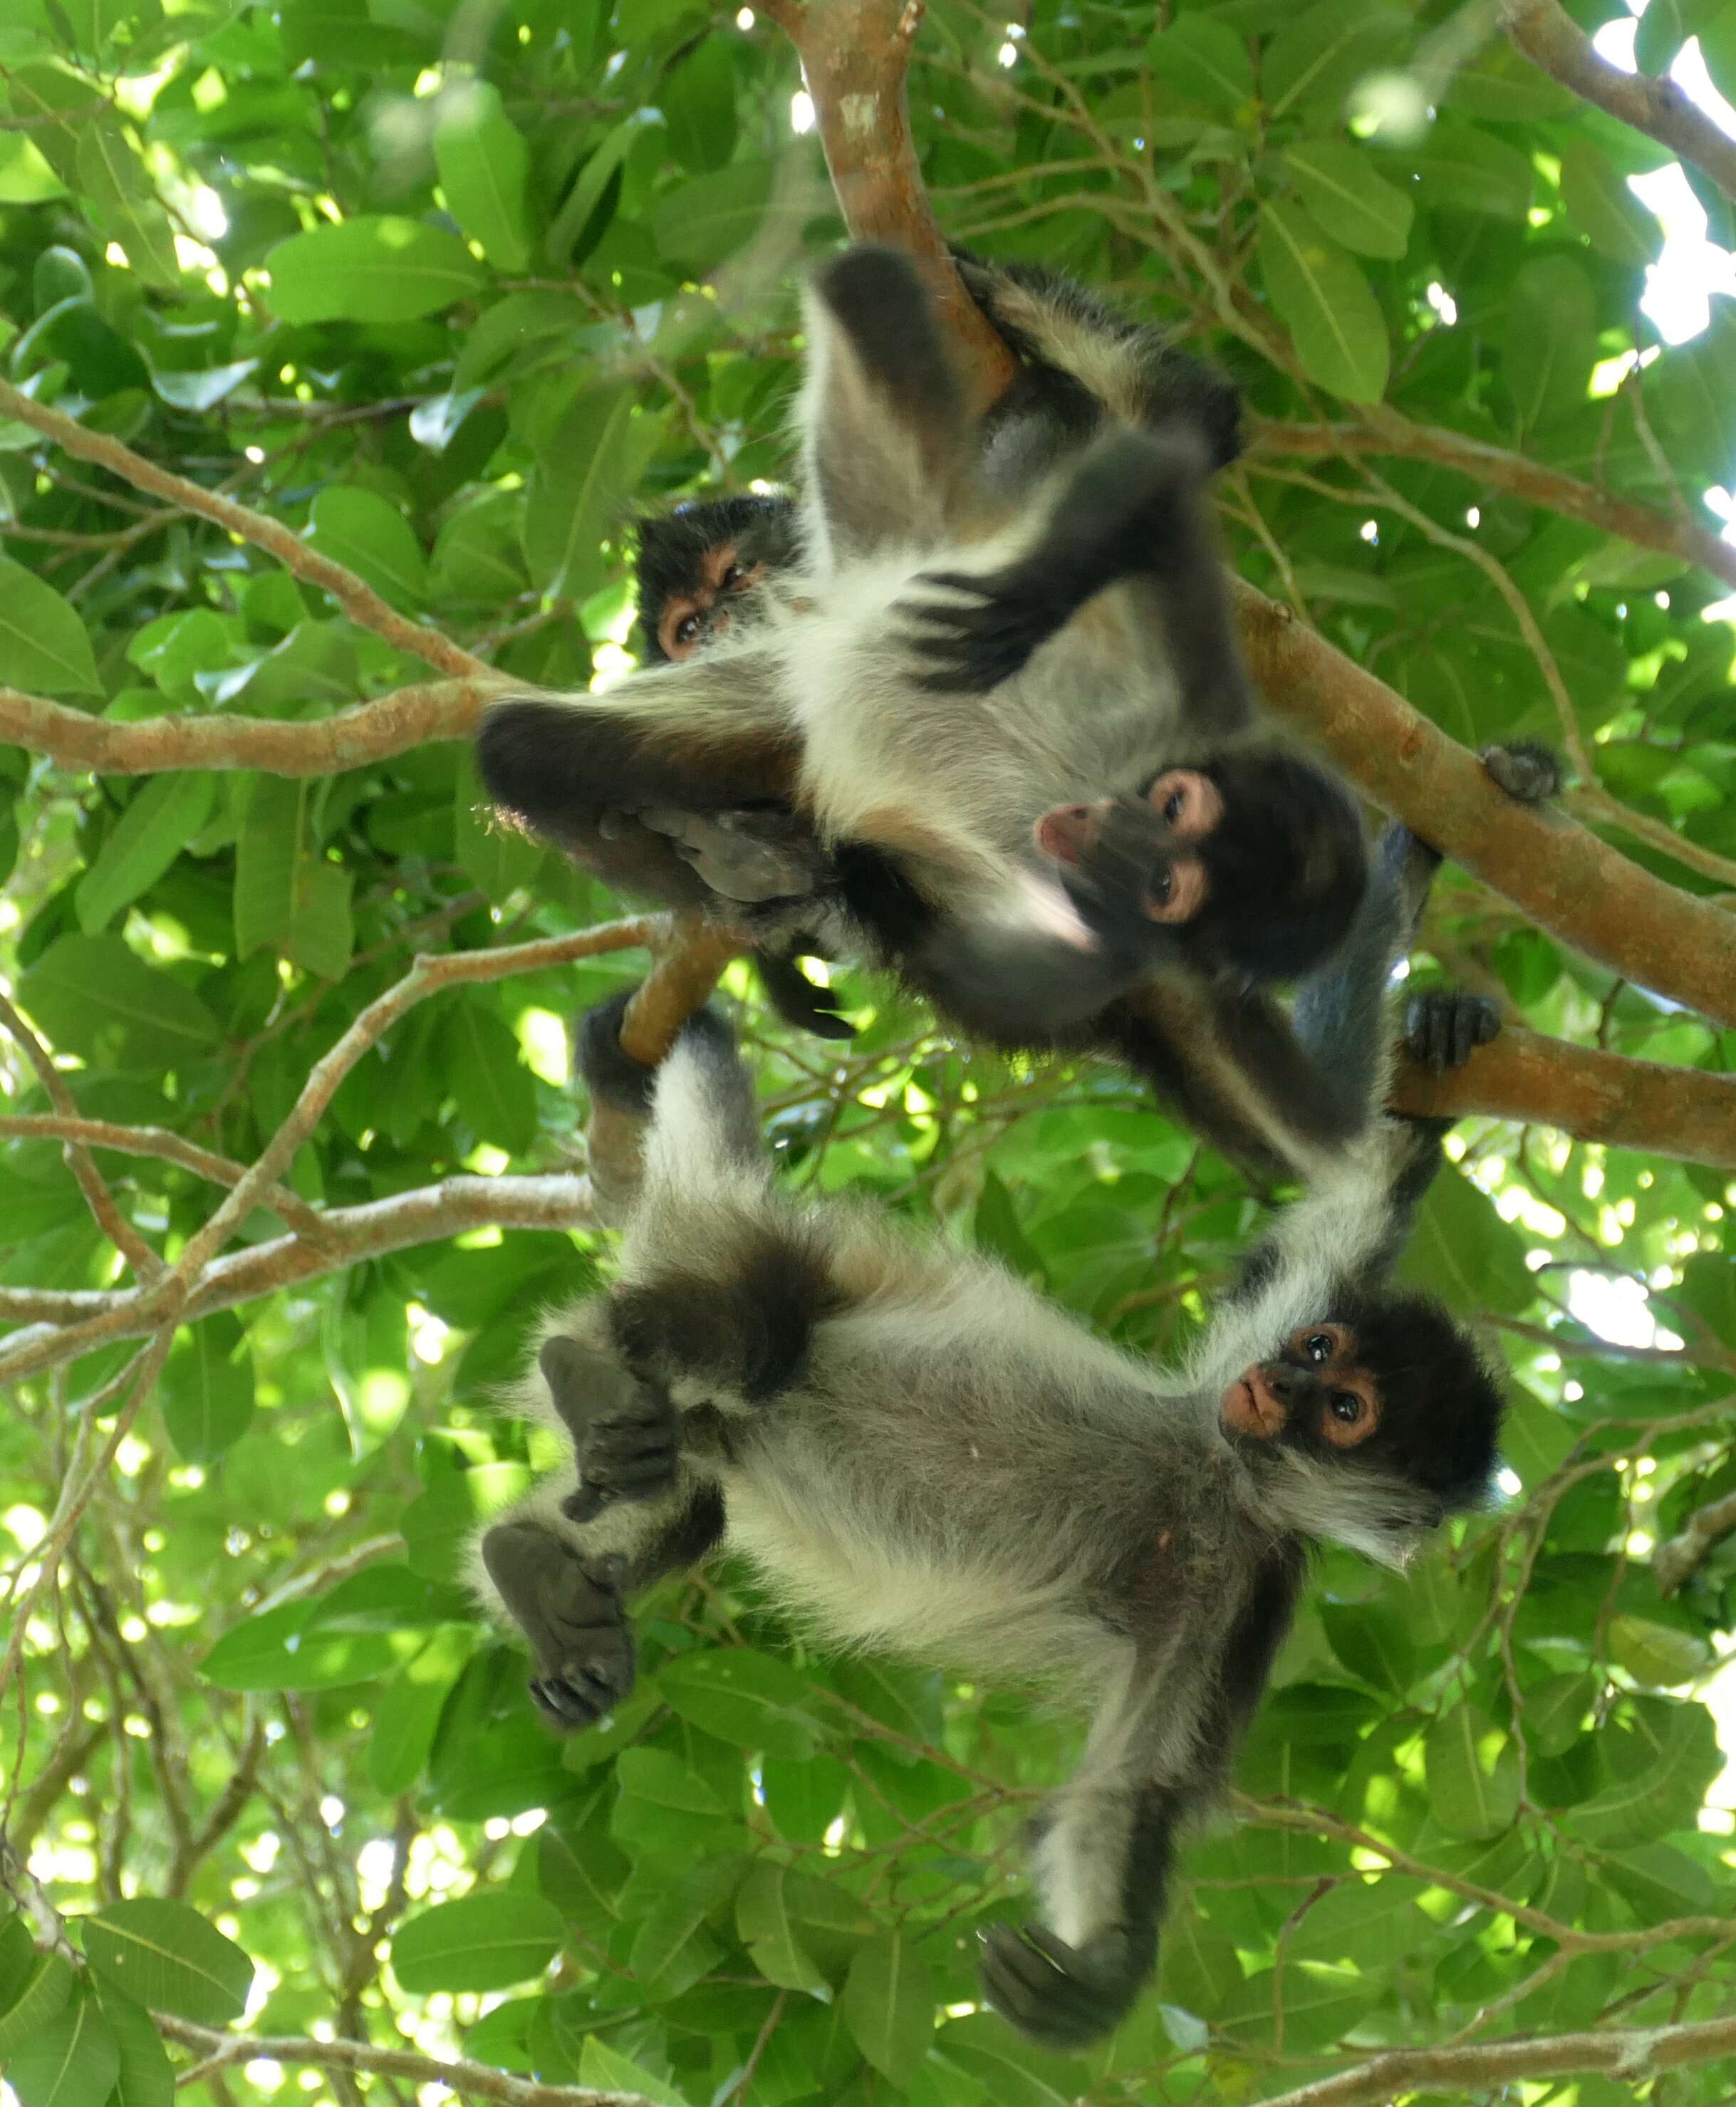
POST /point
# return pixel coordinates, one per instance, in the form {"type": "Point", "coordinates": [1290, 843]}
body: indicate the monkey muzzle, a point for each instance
{"type": "Point", "coordinates": [1252, 1407]}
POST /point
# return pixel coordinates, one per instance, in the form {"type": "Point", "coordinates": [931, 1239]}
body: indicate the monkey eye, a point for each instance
{"type": "Point", "coordinates": [1160, 887]}
{"type": "Point", "coordinates": [1175, 891]}
{"type": "Point", "coordinates": [1345, 1405]}
{"type": "Point", "coordinates": [687, 629]}
{"type": "Point", "coordinates": [734, 578]}
{"type": "Point", "coordinates": [1174, 806]}
{"type": "Point", "coordinates": [1318, 1346]}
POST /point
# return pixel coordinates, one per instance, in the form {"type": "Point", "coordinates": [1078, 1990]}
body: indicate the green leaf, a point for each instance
{"type": "Point", "coordinates": [42, 643]}
{"type": "Point", "coordinates": [122, 200]}
{"type": "Point", "coordinates": [749, 1699]}
{"type": "Point", "coordinates": [1206, 61]}
{"type": "Point", "coordinates": [1656, 1656]}
{"type": "Point", "coordinates": [1324, 302]}
{"type": "Point", "coordinates": [408, 1713]}
{"type": "Point", "coordinates": [606, 2069]}
{"type": "Point", "coordinates": [1463, 168]}
{"type": "Point", "coordinates": [770, 1934]}
{"type": "Point", "coordinates": [1011, 2073]}
{"type": "Point", "coordinates": [147, 2078]}
{"type": "Point", "coordinates": [1316, 60]}
{"type": "Point", "coordinates": [888, 2006]}
{"type": "Point", "coordinates": [287, 895]}
{"type": "Point", "coordinates": [166, 1957]}
{"type": "Point", "coordinates": [1551, 341]}
{"type": "Point", "coordinates": [162, 818]}
{"type": "Point", "coordinates": [208, 1388]}
{"type": "Point", "coordinates": [1554, 1711]}
{"type": "Point", "coordinates": [486, 1942]}
{"type": "Point", "coordinates": [673, 1949]}
{"type": "Point", "coordinates": [700, 224]}
{"type": "Point", "coordinates": [1657, 1881]}
{"type": "Point", "coordinates": [699, 104]}
{"type": "Point", "coordinates": [601, 169]}
{"type": "Point", "coordinates": [491, 852]}
{"type": "Point", "coordinates": [281, 1649]}
{"type": "Point", "coordinates": [1340, 188]}
{"type": "Point", "coordinates": [484, 167]}
{"type": "Point", "coordinates": [1473, 1774]}
{"type": "Point", "coordinates": [33, 1986]}
{"type": "Point", "coordinates": [1464, 1253]}
{"type": "Point", "coordinates": [664, 1811]}
{"type": "Point", "coordinates": [1672, 1765]}
{"type": "Point", "coordinates": [90, 993]}
{"type": "Point", "coordinates": [378, 267]}
{"type": "Point", "coordinates": [358, 529]}
{"type": "Point", "coordinates": [1604, 209]}
{"type": "Point", "coordinates": [74, 2062]}
{"type": "Point", "coordinates": [484, 1069]}
{"type": "Point", "coordinates": [590, 464]}
{"type": "Point", "coordinates": [1372, 1640]}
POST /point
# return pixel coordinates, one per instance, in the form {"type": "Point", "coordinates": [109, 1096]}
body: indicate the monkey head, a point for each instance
{"type": "Point", "coordinates": [1387, 1390]}
{"type": "Point", "coordinates": [694, 561]}
{"type": "Point", "coordinates": [1248, 862]}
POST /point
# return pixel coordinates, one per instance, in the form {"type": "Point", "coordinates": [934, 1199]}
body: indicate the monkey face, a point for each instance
{"type": "Point", "coordinates": [690, 621]}
{"type": "Point", "coordinates": [1317, 1393]}
{"type": "Point", "coordinates": [1131, 860]}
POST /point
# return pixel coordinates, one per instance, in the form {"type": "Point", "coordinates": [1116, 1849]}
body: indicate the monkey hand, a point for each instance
{"type": "Point", "coordinates": [1528, 771]}
{"type": "Point", "coordinates": [627, 1435]}
{"type": "Point", "coordinates": [1442, 1028]}
{"type": "Point", "coordinates": [1060, 1996]}
{"type": "Point", "coordinates": [570, 1611]}
{"type": "Point", "coordinates": [969, 645]}
{"type": "Point", "coordinates": [744, 855]}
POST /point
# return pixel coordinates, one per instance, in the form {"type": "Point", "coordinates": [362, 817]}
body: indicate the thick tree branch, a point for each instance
{"type": "Point", "coordinates": [1681, 1112]}
{"type": "Point", "coordinates": [1681, 1556]}
{"type": "Point", "coordinates": [1564, 877]}
{"type": "Point", "coordinates": [1631, 2053]}
{"type": "Point", "coordinates": [360, 602]}
{"type": "Point", "coordinates": [368, 732]}
{"type": "Point", "coordinates": [1555, 44]}
{"type": "Point", "coordinates": [1384, 431]}
{"type": "Point", "coordinates": [218, 2051]}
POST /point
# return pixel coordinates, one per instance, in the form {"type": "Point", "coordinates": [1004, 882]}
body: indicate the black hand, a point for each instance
{"type": "Point", "coordinates": [571, 1614]}
{"type": "Point", "coordinates": [1061, 1997]}
{"type": "Point", "coordinates": [970, 645]}
{"type": "Point", "coordinates": [1527, 771]}
{"type": "Point", "coordinates": [1443, 1029]}
{"type": "Point", "coordinates": [626, 1433]}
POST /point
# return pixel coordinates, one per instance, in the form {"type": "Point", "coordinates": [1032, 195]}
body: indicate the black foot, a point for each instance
{"type": "Point", "coordinates": [627, 1435]}
{"type": "Point", "coordinates": [747, 855]}
{"type": "Point", "coordinates": [570, 1611]}
{"type": "Point", "coordinates": [612, 1077]}
{"type": "Point", "coordinates": [971, 645]}
{"type": "Point", "coordinates": [1443, 1029]}
{"type": "Point", "coordinates": [1060, 1996]}
{"type": "Point", "coordinates": [1525, 770]}
{"type": "Point", "coordinates": [799, 1001]}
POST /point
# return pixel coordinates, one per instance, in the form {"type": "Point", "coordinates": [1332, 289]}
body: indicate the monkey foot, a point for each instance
{"type": "Point", "coordinates": [744, 855]}
{"type": "Point", "coordinates": [1443, 1029]}
{"type": "Point", "coordinates": [1525, 770]}
{"type": "Point", "coordinates": [570, 1611]}
{"type": "Point", "coordinates": [1060, 1996]}
{"type": "Point", "coordinates": [626, 1435]}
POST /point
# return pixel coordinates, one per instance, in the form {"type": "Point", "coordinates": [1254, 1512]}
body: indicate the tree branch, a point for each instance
{"type": "Point", "coordinates": [1684, 1113]}
{"type": "Point", "coordinates": [1554, 44]}
{"type": "Point", "coordinates": [1384, 431]}
{"type": "Point", "coordinates": [391, 724]}
{"type": "Point", "coordinates": [218, 2051]}
{"type": "Point", "coordinates": [1682, 1555]}
{"type": "Point", "coordinates": [360, 602]}
{"type": "Point", "coordinates": [1566, 879]}
{"type": "Point", "coordinates": [1631, 2053]}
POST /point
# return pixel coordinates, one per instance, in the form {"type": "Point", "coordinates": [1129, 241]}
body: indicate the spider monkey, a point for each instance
{"type": "Point", "coordinates": [1002, 687]}
{"type": "Point", "coordinates": [920, 1454]}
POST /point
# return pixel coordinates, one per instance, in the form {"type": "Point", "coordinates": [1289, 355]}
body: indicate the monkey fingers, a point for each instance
{"type": "Point", "coordinates": [1443, 1029]}
{"type": "Point", "coordinates": [570, 1611]}
{"type": "Point", "coordinates": [1061, 1997]}
{"type": "Point", "coordinates": [626, 1433]}
{"type": "Point", "coordinates": [970, 645]}
{"type": "Point", "coordinates": [744, 855]}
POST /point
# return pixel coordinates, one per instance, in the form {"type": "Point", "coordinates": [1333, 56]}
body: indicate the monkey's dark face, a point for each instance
{"type": "Point", "coordinates": [1318, 1393]}
{"type": "Point", "coordinates": [691, 620]}
{"type": "Point", "coordinates": [1139, 858]}
{"type": "Point", "coordinates": [1251, 863]}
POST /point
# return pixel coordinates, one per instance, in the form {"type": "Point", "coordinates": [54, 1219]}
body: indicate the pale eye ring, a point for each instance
{"type": "Point", "coordinates": [1346, 1406]}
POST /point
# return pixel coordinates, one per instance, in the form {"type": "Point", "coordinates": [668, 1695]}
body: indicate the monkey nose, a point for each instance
{"type": "Point", "coordinates": [1066, 833]}
{"type": "Point", "coordinates": [1251, 1406]}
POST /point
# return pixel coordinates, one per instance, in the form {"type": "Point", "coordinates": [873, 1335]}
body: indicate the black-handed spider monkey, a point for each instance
{"type": "Point", "coordinates": [1003, 687]}
{"type": "Point", "coordinates": [920, 1454]}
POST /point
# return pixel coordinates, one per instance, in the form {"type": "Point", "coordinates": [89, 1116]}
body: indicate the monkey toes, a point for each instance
{"type": "Point", "coordinates": [570, 1611]}
{"type": "Point", "coordinates": [1060, 1996]}
{"type": "Point", "coordinates": [1525, 770]}
{"type": "Point", "coordinates": [744, 855]}
{"type": "Point", "coordinates": [626, 1433]}
{"type": "Point", "coordinates": [1443, 1029]}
